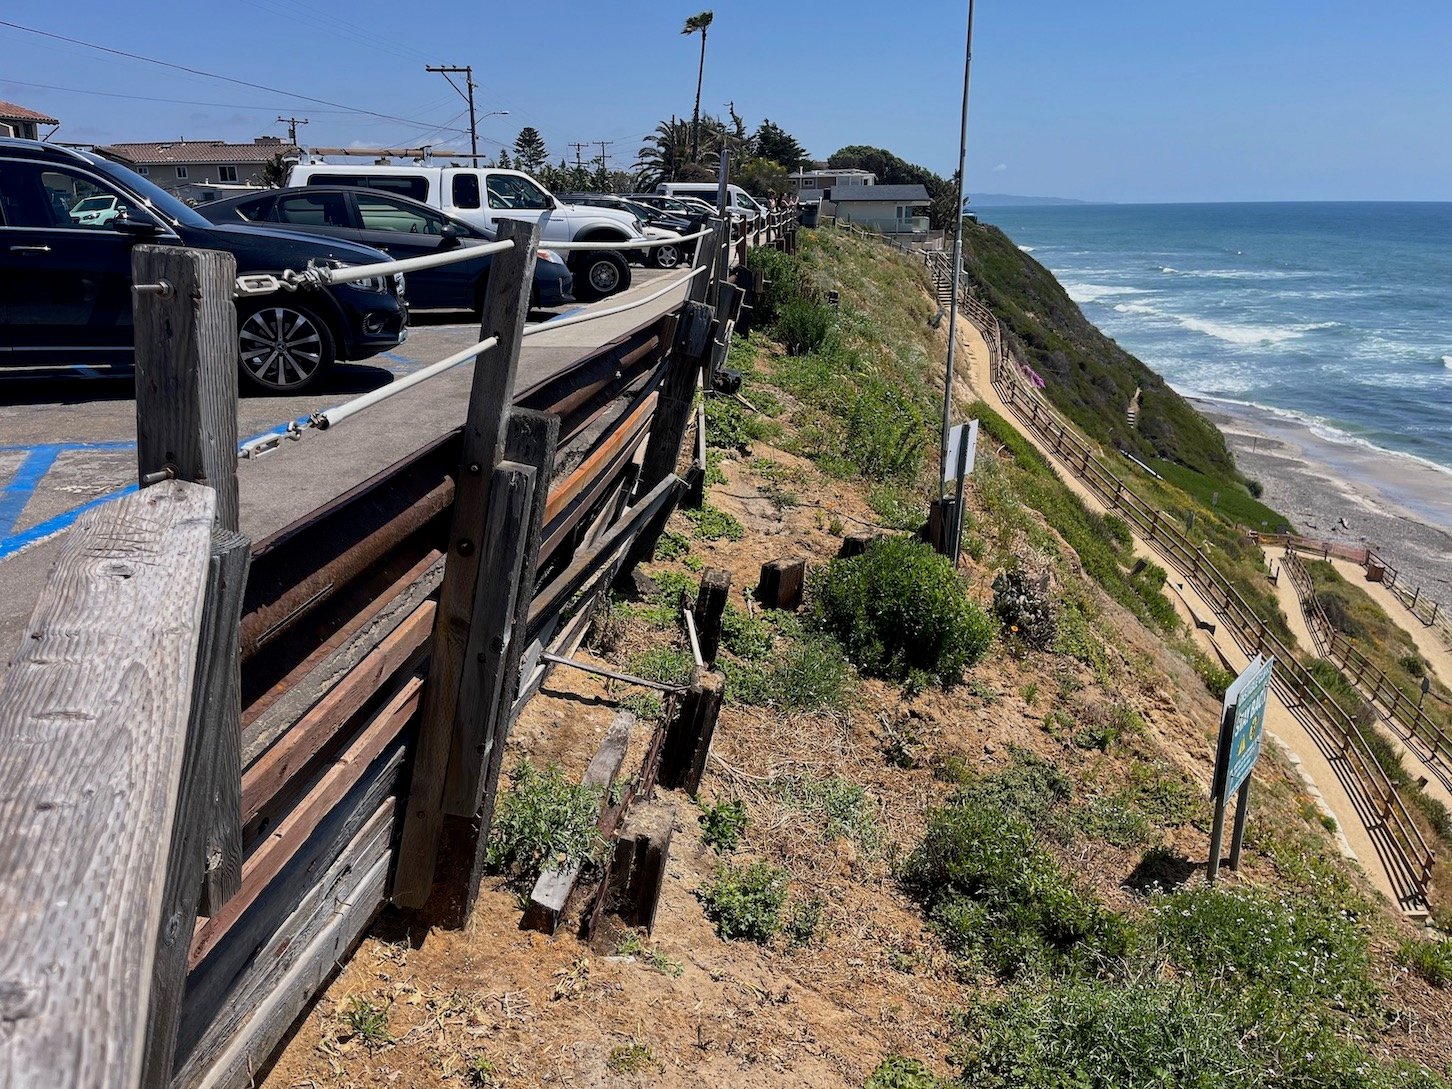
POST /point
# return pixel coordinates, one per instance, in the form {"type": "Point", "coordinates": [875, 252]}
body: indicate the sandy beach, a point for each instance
{"type": "Point", "coordinates": [1400, 505]}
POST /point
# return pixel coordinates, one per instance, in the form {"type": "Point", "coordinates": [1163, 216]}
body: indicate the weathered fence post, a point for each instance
{"type": "Point", "coordinates": [711, 609]}
{"type": "Point", "coordinates": [186, 370]}
{"type": "Point", "coordinates": [688, 734]}
{"type": "Point", "coordinates": [94, 717]}
{"type": "Point", "coordinates": [186, 429]}
{"type": "Point", "coordinates": [505, 308]}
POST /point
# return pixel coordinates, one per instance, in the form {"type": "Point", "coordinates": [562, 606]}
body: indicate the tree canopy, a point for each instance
{"type": "Point", "coordinates": [530, 152]}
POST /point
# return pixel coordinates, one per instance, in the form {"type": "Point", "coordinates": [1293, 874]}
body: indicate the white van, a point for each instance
{"type": "Point", "coordinates": [484, 195]}
{"type": "Point", "coordinates": [740, 203]}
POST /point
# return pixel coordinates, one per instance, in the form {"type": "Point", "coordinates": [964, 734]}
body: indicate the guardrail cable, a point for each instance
{"type": "Point", "coordinates": [596, 315]}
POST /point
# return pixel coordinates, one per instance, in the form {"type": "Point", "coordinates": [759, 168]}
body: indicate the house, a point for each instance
{"type": "Point", "coordinates": [809, 185]}
{"type": "Point", "coordinates": [890, 209]}
{"type": "Point", "coordinates": [200, 170]}
{"type": "Point", "coordinates": [21, 123]}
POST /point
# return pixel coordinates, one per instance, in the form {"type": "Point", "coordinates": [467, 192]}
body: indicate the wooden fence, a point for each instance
{"type": "Point", "coordinates": [222, 759]}
{"type": "Point", "coordinates": [1398, 839]}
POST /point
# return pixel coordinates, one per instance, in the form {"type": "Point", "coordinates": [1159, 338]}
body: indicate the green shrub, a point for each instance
{"type": "Point", "coordinates": [1432, 960]}
{"type": "Point", "coordinates": [896, 1072]}
{"type": "Point", "coordinates": [1116, 822]}
{"type": "Point", "coordinates": [722, 825]}
{"type": "Point", "coordinates": [712, 524]}
{"type": "Point", "coordinates": [744, 635]}
{"type": "Point", "coordinates": [811, 674]}
{"type": "Point", "coordinates": [840, 806]}
{"type": "Point", "coordinates": [900, 610]}
{"type": "Point", "coordinates": [730, 425]}
{"type": "Point", "coordinates": [990, 888]}
{"type": "Point", "coordinates": [803, 326]}
{"type": "Point", "coordinates": [671, 546]}
{"type": "Point", "coordinates": [1030, 787]}
{"type": "Point", "coordinates": [1024, 610]}
{"type": "Point", "coordinates": [1300, 950]}
{"type": "Point", "coordinates": [786, 280]}
{"type": "Point", "coordinates": [746, 902]}
{"type": "Point", "coordinates": [666, 664]}
{"type": "Point", "coordinates": [542, 819]}
{"type": "Point", "coordinates": [898, 508]}
{"type": "Point", "coordinates": [802, 921]}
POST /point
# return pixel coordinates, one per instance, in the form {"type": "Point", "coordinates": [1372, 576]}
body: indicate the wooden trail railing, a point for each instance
{"type": "Point", "coordinates": [1427, 611]}
{"type": "Point", "coordinates": [223, 759]}
{"type": "Point", "coordinates": [1403, 713]}
{"type": "Point", "coordinates": [1398, 840]}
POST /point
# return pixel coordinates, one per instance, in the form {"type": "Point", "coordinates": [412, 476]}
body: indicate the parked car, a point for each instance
{"type": "Point", "coordinates": [95, 211]}
{"type": "Point", "coordinates": [739, 203]}
{"type": "Point", "coordinates": [401, 228]}
{"type": "Point", "coordinates": [687, 206]}
{"type": "Point", "coordinates": [65, 283]}
{"type": "Point", "coordinates": [660, 256]}
{"type": "Point", "coordinates": [483, 195]}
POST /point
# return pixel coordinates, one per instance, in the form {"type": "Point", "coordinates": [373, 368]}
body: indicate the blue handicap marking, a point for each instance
{"type": "Point", "coordinates": [18, 491]}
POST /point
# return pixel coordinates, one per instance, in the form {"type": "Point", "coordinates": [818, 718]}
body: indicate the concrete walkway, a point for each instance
{"type": "Point", "coordinates": [1284, 728]}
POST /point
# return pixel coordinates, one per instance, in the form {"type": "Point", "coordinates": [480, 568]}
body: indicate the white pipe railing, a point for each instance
{"type": "Point", "coordinates": [596, 315]}
{"type": "Point", "coordinates": [352, 273]}
{"type": "Point", "coordinates": [630, 243]}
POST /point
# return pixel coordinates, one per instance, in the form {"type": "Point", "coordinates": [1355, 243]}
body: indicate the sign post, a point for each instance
{"type": "Point", "coordinates": [1242, 728]}
{"type": "Point", "coordinates": [962, 456]}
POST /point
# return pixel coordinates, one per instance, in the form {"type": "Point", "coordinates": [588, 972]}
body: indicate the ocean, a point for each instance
{"type": "Point", "coordinates": [1335, 315]}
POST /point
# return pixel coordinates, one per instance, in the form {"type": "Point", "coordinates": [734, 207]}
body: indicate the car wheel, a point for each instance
{"type": "Point", "coordinates": [284, 348]}
{"type": "Point", "coordinates": [668, 256]}
{"type": "Point", "coordinates": [602, 273]}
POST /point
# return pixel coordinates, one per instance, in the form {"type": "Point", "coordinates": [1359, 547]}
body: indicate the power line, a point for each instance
{"type": "Point", "coordinates": [448, 71]}
{"type": "Point", "coordinates": [152, 98]}
{"type": "Point", "coordinates": [579, 161]}
{"type": "Point", "coordinates": [292, 123]}
{"type": "Point", "coordinates": [210, 75]}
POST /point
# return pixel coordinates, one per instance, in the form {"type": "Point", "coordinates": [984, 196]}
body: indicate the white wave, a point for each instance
{"type": "Point", "coordinates": [1089, 293]}
{"type": "Point", "coordinates": [1027, 249]}
{"type": "Point", "coordinates": [1245, 336]}
{"type": "Point", "coordinates": [1447, 362]}
{"type": "Point", "coordinates": [1167, 269]}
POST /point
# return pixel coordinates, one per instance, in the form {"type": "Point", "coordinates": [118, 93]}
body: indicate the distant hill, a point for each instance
{"type": "Point", "coordinates": [1008, 200]}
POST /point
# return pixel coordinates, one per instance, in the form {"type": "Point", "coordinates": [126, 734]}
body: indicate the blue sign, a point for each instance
{"type": "Point", "coordinates": [1245, 710]}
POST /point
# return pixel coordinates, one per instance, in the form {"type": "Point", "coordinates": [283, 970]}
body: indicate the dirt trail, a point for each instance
{"type": "Point", "coordinates": [1284, 728]}
{"type": "Point", "coordinates": [1428, 640]}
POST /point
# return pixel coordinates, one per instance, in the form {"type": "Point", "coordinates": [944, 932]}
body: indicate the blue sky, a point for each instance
{"type": "Point", "coordinates": [1127, 100]}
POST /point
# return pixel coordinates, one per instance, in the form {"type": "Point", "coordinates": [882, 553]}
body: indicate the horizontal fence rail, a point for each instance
{"type": "Point", "coordinates": [1398, 839]}
{"type": "Point", "coordinates": [363, 668]}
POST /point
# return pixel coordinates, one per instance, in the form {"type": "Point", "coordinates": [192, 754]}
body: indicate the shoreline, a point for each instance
{"type": "Point", "coordinates": [1399, 504]}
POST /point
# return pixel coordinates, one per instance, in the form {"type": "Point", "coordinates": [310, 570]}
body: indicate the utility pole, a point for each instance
{"type": "Point", "coordinates": [579, 160]}
{"type": "Point", "coordinates": [292, 123]}
{"type": "Point", "coordinates": [603, 144]}
{"type": "Point", "coordinates": [957, 264]}
{"type": "Point", "coordinates": [467, 71]}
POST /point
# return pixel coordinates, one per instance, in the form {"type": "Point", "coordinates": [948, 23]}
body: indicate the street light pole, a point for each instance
{"type": "Point", "coordinates": [957, 264]}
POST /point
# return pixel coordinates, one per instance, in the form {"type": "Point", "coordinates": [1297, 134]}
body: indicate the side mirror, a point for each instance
{"type": "Point", "coordinates": [448, 237]}
{"type": "Point", "coordinates": [139, 226]}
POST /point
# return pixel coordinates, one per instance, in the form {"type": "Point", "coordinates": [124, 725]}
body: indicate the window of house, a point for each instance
{"type": "Point", "coordinates": [227, 173]}
{"type": "Point", "coordinates": [809, 183]}
{"type": "Point", "coordinates": [143, 170]}
{"type": "Point", "coordinates": [181, 172]}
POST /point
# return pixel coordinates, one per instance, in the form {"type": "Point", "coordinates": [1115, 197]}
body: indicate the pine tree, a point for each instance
{"type": "Point", "coordinates": [503, 162]}
{"type": "Point", "coordinates": [530, 152]}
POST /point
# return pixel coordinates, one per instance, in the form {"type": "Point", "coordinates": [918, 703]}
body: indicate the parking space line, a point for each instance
{"type": "Point", "coordinates": [9, 546]}
{"type": "Point", "coordinates": [21, 486]}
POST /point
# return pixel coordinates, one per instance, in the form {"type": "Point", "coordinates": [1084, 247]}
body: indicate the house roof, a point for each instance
{"type": "Point", "coordinates": [889, 194]}
{"type": "Point", "coordinates": [9, 111]}
{"type": "Point", "coordinates": [199, 151]}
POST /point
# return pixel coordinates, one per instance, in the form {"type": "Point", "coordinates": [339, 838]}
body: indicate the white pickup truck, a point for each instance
{"type": "Point", "coordinates": [484, 195]}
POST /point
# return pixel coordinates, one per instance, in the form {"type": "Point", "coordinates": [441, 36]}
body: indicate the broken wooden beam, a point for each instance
{"type": "Point", "coordinates": [688, 734]}
{"type": "Point", "coordinates": [637, 874]}
{"type": "Point", "coordinates": [552, 890]}
{"type": "Point", "coordinates": [711, 610]}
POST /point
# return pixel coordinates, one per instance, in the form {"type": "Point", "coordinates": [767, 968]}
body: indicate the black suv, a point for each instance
{"type": "Point", "coordinates": [65, 273]}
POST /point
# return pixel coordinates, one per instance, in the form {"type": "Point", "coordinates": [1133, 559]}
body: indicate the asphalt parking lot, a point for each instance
{"type": "Point", "coordinates": [69, 443]}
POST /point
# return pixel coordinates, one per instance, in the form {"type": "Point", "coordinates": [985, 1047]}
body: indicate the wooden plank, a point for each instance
{"type": "Point", "coordinates": [588, 470]}
{"type": "Point", "coordinates": [271, 772]}
{"type": "Point", "coordinates": [491, 631]}
{"type": "Point", "coordinates": [207, 826]}
{"type": "Point", "coordinates": [186, 370]}
{"type": "Point", "coordinates": [332, 663]}
{"type": "Point", "coordinates": [250, 1049]}
{"type": "Point", "coordinates": [560, 529]}
{"type": "Point", "coordinates": [93, 727]}
{"type": "Point", "coordinates": [637, 875]}
{"type": "Point", "coordinates": [268, 860]}
{"type": "Point", "coordinates": [505, 307]}
{"type": "Point", "coordinates": [782, 582]}
{"type": "Point", "coordinates": [568, 582]}
{"type": "Point", "coordinates": [552, 890]}
{"type": "Point", "coordinates": [246, 966]}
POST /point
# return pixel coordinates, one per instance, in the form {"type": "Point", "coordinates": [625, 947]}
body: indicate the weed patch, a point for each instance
{"type": "Point", "coordinates": [542, 819]}
{"type": "Point", "coordinates": [746, 902]}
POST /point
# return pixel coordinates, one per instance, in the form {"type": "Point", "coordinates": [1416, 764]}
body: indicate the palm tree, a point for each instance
{"type": "Point", "coordinates": [693, 24]}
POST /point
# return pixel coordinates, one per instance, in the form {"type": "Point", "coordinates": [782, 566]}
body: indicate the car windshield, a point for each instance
{"type": "Point", "coordinates": [152, 196]}
{"type": "Point", "coordinates": [93, 204]}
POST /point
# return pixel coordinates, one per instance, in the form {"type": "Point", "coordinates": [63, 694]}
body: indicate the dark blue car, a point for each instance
{"type": "Point", "coordinates": [401, 227]}
{"type": "Point", "coordinates": [65, 274]}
